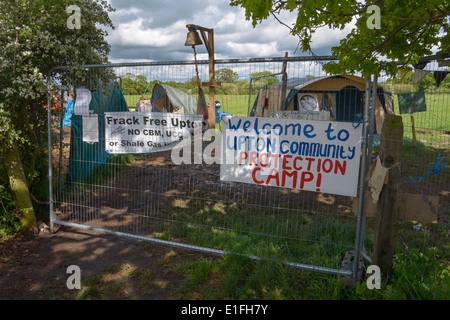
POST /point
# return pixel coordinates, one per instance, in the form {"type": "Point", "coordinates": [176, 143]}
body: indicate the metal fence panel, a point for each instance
{"type": "Point", "coordinates": [148, 197]}
{"type": "Point", "coordinates": [425, 182]}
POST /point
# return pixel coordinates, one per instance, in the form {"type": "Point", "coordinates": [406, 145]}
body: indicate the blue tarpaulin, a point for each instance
{"type": "Point", "coordinates": [67, 120]}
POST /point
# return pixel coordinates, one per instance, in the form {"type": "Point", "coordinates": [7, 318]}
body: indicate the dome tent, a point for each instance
{"type": "Point", "coordinates": [169, 99]}
{"type": "Point", "coordinates": [342, 95]}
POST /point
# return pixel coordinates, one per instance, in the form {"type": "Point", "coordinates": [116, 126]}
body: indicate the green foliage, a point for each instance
{"type": "Point", "coordinates": [9, 221]}
{"type": "Point", "coordinates": [226, 75]}
{"type": "Point", "coordinates": [8, 133]}
{"type": "Point", "coordinates": [239, 277]}
{"type": "Point", "coordinates": [266, 77]}
{"type": "Point", "coordinates": [423, 275]}
{"type": "Point", "coordinates": [35, 38]}
{"type": "Point", "coordinates": [428, 83]}
{"type": "Point", "coordinates": [417, 275]}
{"type": "Point", "coordinates": [408, 30]}
{"type": "Point", "coordinates": [137, 85]}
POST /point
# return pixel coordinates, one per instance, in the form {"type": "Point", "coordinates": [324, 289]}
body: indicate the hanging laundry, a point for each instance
{"type": "Point", "coordinates": [420, 66]}
{"type": "Point", "coordinates": [377, 179]}
{"type": "Point", "coordinates": [419, 75]}
{"type": "Point", "coordinates": [403, 73]}
{"type": "Point", "coordinates": [439, 76]}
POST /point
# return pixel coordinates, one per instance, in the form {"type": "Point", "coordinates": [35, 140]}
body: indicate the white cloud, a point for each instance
{"type": "Point", "coordinates": [134, 33]}
{"type": "Point", "coordinates": [156, 30]}
{"type": "Point", "coordinates": [253, 49]}
{"type": "Point", "coordinates": [325, 37]}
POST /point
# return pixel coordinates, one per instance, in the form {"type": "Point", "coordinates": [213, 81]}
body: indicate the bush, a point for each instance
{"type": "Point", "coordinates": [9, 221]}
{"type": "Point", "coordinates": [416, 275]}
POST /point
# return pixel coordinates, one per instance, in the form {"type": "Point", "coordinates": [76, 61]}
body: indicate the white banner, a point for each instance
{"type": "Point", "coordinates": [320, 156]}
{"type": "Point", "coordinates": [147, 132]}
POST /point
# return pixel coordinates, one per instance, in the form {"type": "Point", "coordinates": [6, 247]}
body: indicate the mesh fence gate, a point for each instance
{"type": "Point", "coordinates": [148, 197]}
{"type": "Point", "coordinates": [421, 98]}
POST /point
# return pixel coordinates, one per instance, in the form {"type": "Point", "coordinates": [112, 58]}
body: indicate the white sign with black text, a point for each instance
{"type": "Point", "coordinates": [147, 132]}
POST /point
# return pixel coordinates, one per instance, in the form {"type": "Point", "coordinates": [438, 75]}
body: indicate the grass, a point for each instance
{"type": "Point", "coordinates": [252, 230]}
{"type": "Point", "coordinates": [435, 118]}
{"type": "Point", "coordinates": [432, 138]}
{"type": "Point", "coordinates": [238, 277]}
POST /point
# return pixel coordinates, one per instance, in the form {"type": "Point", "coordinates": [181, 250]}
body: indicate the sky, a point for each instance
{"type": "Point", "coordinates": [155, 30]}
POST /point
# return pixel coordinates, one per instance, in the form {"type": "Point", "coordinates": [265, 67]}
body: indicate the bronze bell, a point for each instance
{"type": "Point", "coordinates": [193, 39]}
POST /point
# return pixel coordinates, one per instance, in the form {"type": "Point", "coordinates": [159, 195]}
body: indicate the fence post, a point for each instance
{"type": "Point", "coordinates": [360, 219]}
{"type": "Point", "coordinates": [387, 210]}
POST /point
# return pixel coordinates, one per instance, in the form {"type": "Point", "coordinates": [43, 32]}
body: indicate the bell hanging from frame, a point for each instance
{"type": "Point", "coordinates": [193, 39]}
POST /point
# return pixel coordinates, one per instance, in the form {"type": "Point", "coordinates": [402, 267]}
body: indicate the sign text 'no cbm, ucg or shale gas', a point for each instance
{"type": "Point", "coordinates": [147, 132]}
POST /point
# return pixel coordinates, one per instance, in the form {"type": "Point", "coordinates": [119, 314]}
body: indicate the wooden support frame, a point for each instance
{"type": "Point", "coordinates": [208, 40]}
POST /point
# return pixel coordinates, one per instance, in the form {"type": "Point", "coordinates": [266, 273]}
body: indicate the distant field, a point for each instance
{"type": "Point", "coordinates": [133, 99]}
{"type": "Point", "coordinates": [431, 133]}
{"type": "Point", "coordinates": [234, 104]}
{"type": "Point", "coordinates": [437, 116]}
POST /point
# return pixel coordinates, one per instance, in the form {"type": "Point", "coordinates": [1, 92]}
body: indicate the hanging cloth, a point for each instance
{"type": "Point", "coordinates": [420, 66]}
{"type": "Point", "coordinates": [403, 73]}
{"type": "Point", "coordinates": [419, 75]}
{"type": "Point", "coordinates": [377, 178]}
{"type": "Point", "coordinates": [439, 76]}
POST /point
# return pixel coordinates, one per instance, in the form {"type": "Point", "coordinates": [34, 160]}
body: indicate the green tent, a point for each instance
{"type": "Point", "coordinates": [85, 157]}
{"type": "Point", "coordinates": [169, 99]}
{"type": "Point", "coordinates": [341, 95]}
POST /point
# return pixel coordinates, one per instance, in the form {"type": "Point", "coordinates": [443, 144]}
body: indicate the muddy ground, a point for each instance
{"type": "Point", "coordinates": [35, 267]}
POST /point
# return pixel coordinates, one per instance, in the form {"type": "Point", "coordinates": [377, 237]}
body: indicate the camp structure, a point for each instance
{"type": "Point", "coordinates": [169, 99]}
{"type": "Point", "coordinates": [144, 105]}
{"type": "Point", "coordinates": [341, 95]}
{"type": "Point", "coordinates": [87, 138]}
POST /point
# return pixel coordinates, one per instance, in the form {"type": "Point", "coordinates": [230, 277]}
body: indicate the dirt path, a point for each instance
{"type": "Point", "coordinates": [112, 267]}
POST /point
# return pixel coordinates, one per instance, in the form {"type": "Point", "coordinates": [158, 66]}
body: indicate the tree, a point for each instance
{"type": "Point", "coordinates": [136, 85]}
{"type": "Point", "coordinates": [226, 75]}
{"type": "Point", "coordinates": [265, 77]}
{"type": "Point", "coordinates": [426, 83]}
{"type": "Point", "coordinates": [37, 36]}
{"type": "Point", "coordinates": [385, 31]}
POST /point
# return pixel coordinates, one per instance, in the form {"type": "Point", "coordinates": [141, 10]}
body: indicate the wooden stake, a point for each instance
{"type": "Point", "coordinates": [209, 43]}
{"type": "Point", "coordinates": [387, 210]}
{"type": "Point", "coordinates": [284, 83]}
{"type": "Point", "coordinates": [413, 130]}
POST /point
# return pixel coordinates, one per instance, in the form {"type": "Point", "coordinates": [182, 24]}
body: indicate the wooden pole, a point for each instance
{"type": "Point", "coordinates": [209, 43]}
{"type": "Point", "coordinates": [284, 83]}
{"type": "Point", "coordinates": [413, 130]}
{"type": "Point", "coordinates": [387, 211]}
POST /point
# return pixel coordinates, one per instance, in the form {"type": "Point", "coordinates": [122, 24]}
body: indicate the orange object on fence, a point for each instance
{"type": "Point", "coordinates": [55, 103]}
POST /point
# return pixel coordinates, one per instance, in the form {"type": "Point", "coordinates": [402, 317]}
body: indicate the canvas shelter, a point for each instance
{"type": "Point", "coordinates": [169, 99]}
{"type": "Point", "coordinates": [85, 156]}
{"type": "Point", "coordinates": [144, 105]}
{"type": "Point", "coordinates": [342, 95]}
